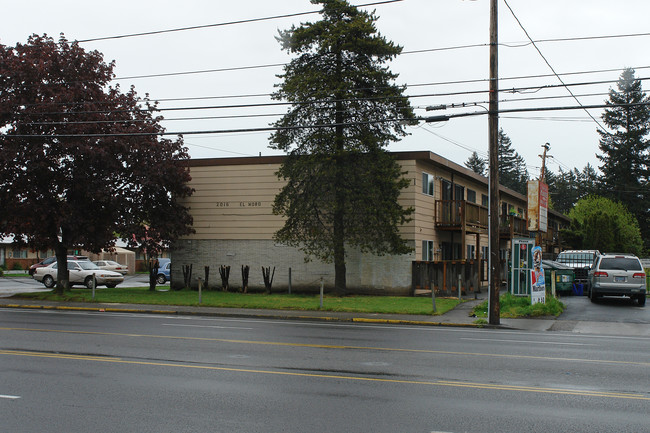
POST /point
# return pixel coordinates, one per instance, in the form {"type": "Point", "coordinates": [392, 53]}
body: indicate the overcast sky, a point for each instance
{"type": "Point", "coordinates": [422, 27]}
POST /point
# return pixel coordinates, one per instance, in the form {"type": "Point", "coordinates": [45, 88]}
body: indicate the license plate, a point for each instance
{"type": "Point", "coordinates": [619, 279]}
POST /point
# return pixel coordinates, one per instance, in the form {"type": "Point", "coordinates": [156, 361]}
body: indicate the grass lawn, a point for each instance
{"type": "Point", "coordinates": [359, 304]}
{"type": "Point", "coordinates": [519, 306]}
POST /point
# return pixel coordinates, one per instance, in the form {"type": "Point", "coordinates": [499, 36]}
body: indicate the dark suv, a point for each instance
{"type": "Point", "coordinates": [617, 275]}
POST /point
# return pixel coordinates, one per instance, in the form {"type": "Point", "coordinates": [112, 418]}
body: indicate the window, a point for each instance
{"type": "Point", "coordinates": [427, 184]}
{"type": "Point", "coordinates": [427, 251]}
{"type": "Point", "coordinates": [19, 253]}
{"type": "Point", "coordinates": [485, 200]}
{"type": "Point", "coordinates": [471, 252]}
{"type": "Point", "coordinates": [484, 252]}
{"type": "Point", "coordinates": [471, 196]}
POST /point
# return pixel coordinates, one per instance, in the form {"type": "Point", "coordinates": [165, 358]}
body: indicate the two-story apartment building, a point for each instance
{"type": "Point", "coordinates": [234, 224]}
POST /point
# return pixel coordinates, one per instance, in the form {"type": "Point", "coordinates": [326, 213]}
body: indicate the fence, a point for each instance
{"type": "Point", "coordinates": [443, 276]}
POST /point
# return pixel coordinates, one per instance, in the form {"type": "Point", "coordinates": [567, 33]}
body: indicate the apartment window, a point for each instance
{"type": "Point", "coordinates": [19, 253]}
{"type": "Point", "coordinates": [427, 184]}
{"type": "Point", "coordinates": [427, 251]}
{"type": "Point", "coordinates": [471, 196]}
{"type": "Point", "coordinates": [485, 200]}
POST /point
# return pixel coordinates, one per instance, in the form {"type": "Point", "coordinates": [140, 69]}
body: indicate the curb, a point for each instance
{"type": "Point", "coordinates": [257, 316]}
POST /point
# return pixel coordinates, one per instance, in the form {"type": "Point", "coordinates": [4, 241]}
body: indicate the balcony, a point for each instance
{"type": "Point", "coordinates": [461, 215]}
{"type": "Point", "coordinates": [511, 226]}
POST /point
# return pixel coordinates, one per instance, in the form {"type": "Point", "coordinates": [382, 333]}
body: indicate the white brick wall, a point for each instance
{"type": "Point", "coordinates": [365, 273]}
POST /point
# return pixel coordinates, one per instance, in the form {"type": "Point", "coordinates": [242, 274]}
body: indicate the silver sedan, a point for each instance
{"type": "Point", "coordinates": [80, 273]}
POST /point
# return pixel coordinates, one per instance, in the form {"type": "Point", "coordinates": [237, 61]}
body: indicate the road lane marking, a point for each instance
{"type": "Point", "coordinates": [206, 326]}
{"type": "Point", "coordinates": [445, 383]}
{"type": "Point", "coordinates": [10, 397]}
{"type": "Point", "coordinates": [342, 347]}
{"type": "Point", "coordinates": [527, 341]}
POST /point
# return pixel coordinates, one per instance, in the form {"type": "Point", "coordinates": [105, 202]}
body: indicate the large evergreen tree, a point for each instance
{"type": "Point", "coordinates": [342, 185]}
{"type": "Point", "coordinates": [512, 166]}
{"type": "Point", "coordinates": [476, 164]}
{"type": "Point", "coordinates": [625, 149]}
{"type": "Point", "coordinates": [81, 162]}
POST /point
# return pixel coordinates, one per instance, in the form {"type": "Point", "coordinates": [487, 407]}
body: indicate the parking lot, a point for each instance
{"type": "Point", "coordinates": [607, 309]}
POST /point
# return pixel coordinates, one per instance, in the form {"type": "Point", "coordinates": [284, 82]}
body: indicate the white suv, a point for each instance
{"type": "Point", "coordinates": [617, 275]}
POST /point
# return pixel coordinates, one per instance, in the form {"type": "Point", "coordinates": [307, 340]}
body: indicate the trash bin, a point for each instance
{"type": "Point", "coordinates": [577, 289]}
{"type": "Point", "coordinates": [564, 278]}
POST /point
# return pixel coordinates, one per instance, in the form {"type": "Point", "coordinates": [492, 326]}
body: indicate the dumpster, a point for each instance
{"type": "Point", "coordinates": [564, 277]}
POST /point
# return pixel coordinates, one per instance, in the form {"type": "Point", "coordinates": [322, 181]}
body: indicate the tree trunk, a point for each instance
{"type": "Point", "coordinates": [62, 276]}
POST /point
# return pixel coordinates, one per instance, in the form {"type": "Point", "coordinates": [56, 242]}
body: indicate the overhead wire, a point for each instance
{"type": "Point", "coordinates": [549, 65]}
{"type": "Point", "coordinates": [275, 104]}
{"type": "Point", "coordinates": [228, 23]}
{"type": "Point", "coordinates": [318, 126]}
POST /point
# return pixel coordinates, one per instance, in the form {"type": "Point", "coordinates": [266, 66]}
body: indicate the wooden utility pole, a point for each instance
{"type": "Point", "coordinates": [494, 310]}
{"type": "Point", "coordinates": [542, 172]}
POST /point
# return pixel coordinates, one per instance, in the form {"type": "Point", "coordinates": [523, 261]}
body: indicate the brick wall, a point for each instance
{"type": "Point", "coordinates": [366, 273]}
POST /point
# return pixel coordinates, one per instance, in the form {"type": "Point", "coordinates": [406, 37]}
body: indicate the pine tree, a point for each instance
{"type": "Point", "coordinates": [476, 164]}
{"type": "Point", "coordinates": [512, 166]}
{"type": "Point", "coordinates": [625, 149]}
{"type": "Point", "coordinates": [342, 185]}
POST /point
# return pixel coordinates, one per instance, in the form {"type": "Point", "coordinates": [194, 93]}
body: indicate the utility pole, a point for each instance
{"type": "Point", "coordinates": [494, 310]}
{"type": "Point", "coordinates": [542, 173]}
{"type": "Point", "coordinates": [542, 176]}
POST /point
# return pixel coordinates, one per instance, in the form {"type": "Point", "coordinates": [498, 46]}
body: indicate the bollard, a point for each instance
{"type": "Point", "coordinates": [459, 291]}
{"type": "Point", "coordinates": [321, 292]}
{"type": "Point", "coordinates": [200, 287]}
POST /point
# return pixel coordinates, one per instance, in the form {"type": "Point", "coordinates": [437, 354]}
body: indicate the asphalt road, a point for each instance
{"type": "Point", "coordinates": [111, 372]}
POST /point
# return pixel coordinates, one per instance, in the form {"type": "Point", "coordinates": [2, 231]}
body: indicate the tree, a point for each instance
{"type": "Point", "coordinates": [626, 150]}
{"type": "Point", "coordinates": [476, 164]}
{"type": "Point", "coordinates": [342, 185]}
{"type": "Point", "coordinates": [602, 224]}
{"type": "Point", "coordinates": [512, 166]}
{"type": "Point", "coordinates": [81, 163]}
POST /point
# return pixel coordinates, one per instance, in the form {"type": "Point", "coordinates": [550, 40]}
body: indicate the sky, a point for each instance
{"type": "Point", "coordinates": [237, 64]}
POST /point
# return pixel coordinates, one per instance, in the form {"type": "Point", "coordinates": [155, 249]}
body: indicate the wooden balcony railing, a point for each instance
{"type": "Point", "coordinates": [456, 214]}
{"type": "Point", "coordinates": [511, 225]}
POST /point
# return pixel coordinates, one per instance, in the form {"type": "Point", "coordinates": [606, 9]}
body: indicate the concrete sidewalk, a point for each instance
{"type": "Point", "coordinates": [458, 317]}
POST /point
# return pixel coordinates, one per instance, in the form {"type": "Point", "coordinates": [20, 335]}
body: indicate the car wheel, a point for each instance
{"type": "Point", "coordinates": [641, 300]}
{"type": "Point", "coordinates": [88, 282]}
{"type": "Point", "coordinates": [48, 281]}
{"type": "Point", "coordinates": [592, 295]}
{"type": "Point", "coordinates": [161, 279]}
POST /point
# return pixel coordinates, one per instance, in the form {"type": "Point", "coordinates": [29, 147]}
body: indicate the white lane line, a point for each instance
{"type": "Point", "coordinates": [11, 397]}
{"type": "Point", "coordinates": [526, 341]}
{"type": "Point", "coordinates": [206, 326]}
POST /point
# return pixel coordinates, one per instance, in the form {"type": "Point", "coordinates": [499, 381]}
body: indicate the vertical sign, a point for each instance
{"type": "Point", "coordinates": [538, 286]}
{"type": "Point", "coordinates": [543, 207]}
{"type": "Point", "coordinates": [537, 206]}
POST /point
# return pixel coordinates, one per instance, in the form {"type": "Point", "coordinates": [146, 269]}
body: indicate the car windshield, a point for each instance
{"type": "Point", "coordinates": [87, 266]}
{"type": "Point", "coordinates": [620, 263]}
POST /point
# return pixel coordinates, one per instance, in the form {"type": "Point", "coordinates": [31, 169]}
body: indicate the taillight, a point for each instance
{"type": "Point", "coordinates": [600, 274]}
{"type": "Point", "coordinates": [639, 275]}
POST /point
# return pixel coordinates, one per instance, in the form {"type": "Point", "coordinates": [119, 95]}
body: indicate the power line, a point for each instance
{"type": "Point", "coordinates": [549, 65]}
{"type": "Point", "coordinates": [275, 104]}
{"type": "Point", "coordinates": [228, 23]}
{"type": "Point", "coordinates": [319, 126]}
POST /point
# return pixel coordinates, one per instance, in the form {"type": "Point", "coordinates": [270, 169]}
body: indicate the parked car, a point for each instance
{"type": "Point", "coordinates": [49, 261]}
{"type": "Point", "coordinates": [617, 275]}
{"type": "Point", "coordinates": [111, 265]}
{"type": "Point", "coordinates": [80, 273]}
{"type": "Point", "coordinates": [164, 271]}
